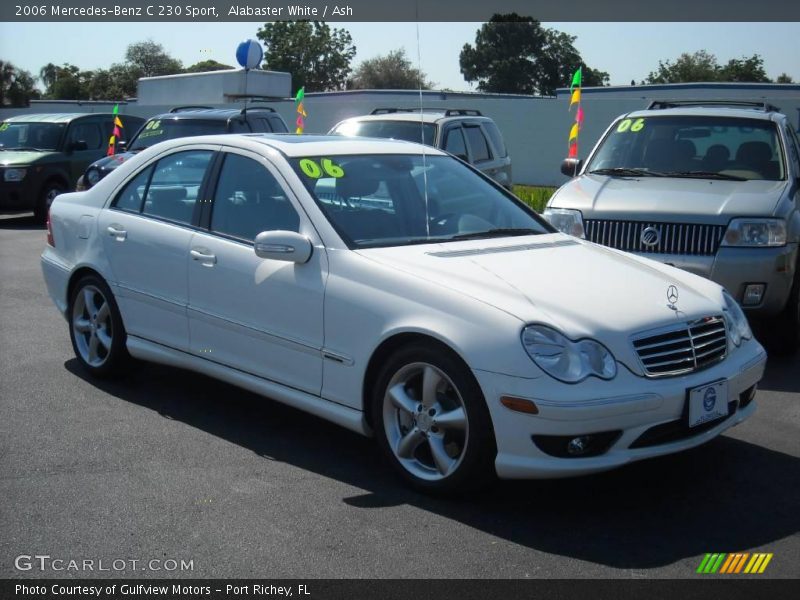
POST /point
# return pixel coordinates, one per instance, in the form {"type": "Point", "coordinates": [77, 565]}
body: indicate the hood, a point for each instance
{"type": "Point", "coordinates": [669, 198]}
{"type": "Point", "coordinates": [109, 163]}
{"type": "Point", "coordinates": [12, 158]}
{"type": "Point", "coordinates": [580, 288]}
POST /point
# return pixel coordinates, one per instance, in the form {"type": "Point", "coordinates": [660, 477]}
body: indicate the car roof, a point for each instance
{"type": "Point", "coordinates": [424, 116]}
{"type": "Point", "coordinates": [707, 111]}
{"type": "Point", "coordinates": [296, 146]}
{"type": "Point", "coordinates": [54, 117]}
{"type": "Point", "coordinates": [221, 114]}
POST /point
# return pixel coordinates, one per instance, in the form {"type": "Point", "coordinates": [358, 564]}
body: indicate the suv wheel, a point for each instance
{"type": "Point", "coordinates": [49, 192]}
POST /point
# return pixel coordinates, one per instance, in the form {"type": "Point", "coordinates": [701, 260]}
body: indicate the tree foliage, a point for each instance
{"type": "Point", "coordinates": [150, 59]}
{"type": "Point", "coordinates": [514, 54]}
{"type": "Point", "coordinates": [317, 56]}
{"type": "Point", "coordinates": [207, 65]}
{"type": "Point", "coordinates": [391, 72]}
{"type": "Point", "coordinates": [17, 86]}
{"type": "Point", "coordinates": [703, 66]}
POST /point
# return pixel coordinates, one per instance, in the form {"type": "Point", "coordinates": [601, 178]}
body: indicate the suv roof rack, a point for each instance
{"type": "Point", "coordinates": [247, 109]}
{"type": "Point", "coordinates": [448, 112]}
{"type": "Point", "coordinates": [661, 104]}
{"type": "Point", "coordinates": [189, 107]}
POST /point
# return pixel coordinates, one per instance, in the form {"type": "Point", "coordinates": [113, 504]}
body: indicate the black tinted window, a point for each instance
{"type": "Point", "coordinates": [175, 185]}
{"type": "Point", "coordinates": [496, 137]}
{"type": "Point", "coordinates": [89, 132]}
{"type": "Point", "coordinates": [133, 193]}
{"type": "Point", "coordinates": [158, 130]}
{"type": "Point", "coordinates": [249, 200]}
{"type": "Point", "coordinates": [410, 131]}
{"type": "Point", "coordinates": [278, 126]}
{"type": "Point", "coordinates": [477, 143]}
{"type": "Point", "coordinates": [240, 126]}
{"type": "Point", "coordinates": [454, 142]}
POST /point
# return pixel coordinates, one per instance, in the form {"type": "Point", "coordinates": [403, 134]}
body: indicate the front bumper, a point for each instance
{"type": "Point", "coordinates": [16, 196]}
{"type": "Point", "coordinates": [629, 404]}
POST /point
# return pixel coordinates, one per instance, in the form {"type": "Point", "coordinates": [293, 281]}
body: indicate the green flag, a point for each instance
{"type": "Point", "coordinates": [576, 79]}
{"type": "Point", "coordinates": [116, 110]}
{"type": "Point", "coordinates": [301, 93]}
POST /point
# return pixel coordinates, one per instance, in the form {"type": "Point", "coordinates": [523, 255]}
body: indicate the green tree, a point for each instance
{"type": "Point", "coordinates": [703, 66]}
{"type": "Point", "coordinates": [391, 72]}
{"type": "Point", "coordinates": [516, 54]}
{"type": "Point", "coordinates": [151, 60]}
{"type": "Point", "coordinates": [207, 65]}
{"type": "Point", "coordinates": [17, 86]}
{"type": "Point", "coordinates": [66, 82]}
{"type": "Point", "coordinates": [784, 78]}
{"type": "Point", "coordinates": [317, 56]}
{"type": "Point", "coordinates": [116, 83]}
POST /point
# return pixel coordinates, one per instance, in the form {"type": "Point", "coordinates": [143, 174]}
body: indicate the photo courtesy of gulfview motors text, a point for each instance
{"type": "Point", "coordinates": [457, 300]}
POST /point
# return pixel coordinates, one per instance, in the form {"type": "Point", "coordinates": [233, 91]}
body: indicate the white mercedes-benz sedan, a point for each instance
{"type": "Point", "coordinates": [394, 290]}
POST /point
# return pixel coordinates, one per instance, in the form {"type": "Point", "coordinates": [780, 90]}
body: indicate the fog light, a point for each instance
{"type": "Point", "coordinates": [753, 294]}
{"type": "Point", "coordinates": [579, 445]}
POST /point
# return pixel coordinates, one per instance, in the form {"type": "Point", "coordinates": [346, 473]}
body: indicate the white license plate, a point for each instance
{"type": "Point", "coordinates": [708, 403]}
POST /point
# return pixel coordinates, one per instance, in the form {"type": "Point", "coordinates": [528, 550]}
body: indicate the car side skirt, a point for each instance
{"type": "Point", "coordinates": [347, 417]}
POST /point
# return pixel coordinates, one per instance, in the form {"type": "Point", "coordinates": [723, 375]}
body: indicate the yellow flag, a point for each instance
{"type": "Point", "coordinates": [576, 97]}
{"type": "Point", "coordinates": [117, 122]}
{"type": "Point", "coordinates": [573, 134]}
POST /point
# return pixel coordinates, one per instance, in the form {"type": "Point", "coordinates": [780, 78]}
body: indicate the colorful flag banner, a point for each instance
{"type": "Point", "coordinates": [575, 98]}
{"type": "Point", "coordinates": [301, 111]}
{"type": "Point", "coordinates": [116, 134]}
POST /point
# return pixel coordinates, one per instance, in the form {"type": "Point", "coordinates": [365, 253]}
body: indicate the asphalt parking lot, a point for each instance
{"type": "Point", "coordinates": [167, 464]}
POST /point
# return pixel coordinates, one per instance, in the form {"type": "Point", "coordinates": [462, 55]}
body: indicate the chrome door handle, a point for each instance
{"type": "Point", "coordinates": [201, 254]}
{"type": "Point", "coordinates": [116, 231]}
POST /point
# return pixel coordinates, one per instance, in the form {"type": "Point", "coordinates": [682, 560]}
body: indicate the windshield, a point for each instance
{"type": "Point", "coordinates": [408, 131]}
{"type": "Point", "coordinates": [687, 146]}
{"type": "Point", "coordinates": [160, 130]}
{"type": "Point", "coordinates": [380, 200]}
{"type": "Point", "coordinates": [30, 136]}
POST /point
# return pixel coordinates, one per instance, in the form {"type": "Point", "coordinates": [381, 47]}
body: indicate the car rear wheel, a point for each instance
{"type": "Point", "coordinates": [432, 422]}
{"type": "Point", "coordinates": [95, 326]}
{"type": "Point", "coordinates": [49, 192]}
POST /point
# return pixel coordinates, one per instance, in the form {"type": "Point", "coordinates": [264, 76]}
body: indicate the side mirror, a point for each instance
{"type": "Point", "coordinates": [571, 166]}
{"type": "Point", "coordinates": [283, 245]}
{"type": "Point", "coordinates": [121, 145]}
{"type": "Point", "coordinates": [78, 146]}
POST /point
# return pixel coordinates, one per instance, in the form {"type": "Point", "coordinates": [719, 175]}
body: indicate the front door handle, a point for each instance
{"type": "Point", "coordinates": [203, 256]}
{"type": "Point", "coordinates": [116, 231]}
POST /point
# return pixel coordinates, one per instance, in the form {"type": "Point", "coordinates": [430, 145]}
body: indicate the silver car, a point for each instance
{"type": "Point", "coordinates": [710, 187]}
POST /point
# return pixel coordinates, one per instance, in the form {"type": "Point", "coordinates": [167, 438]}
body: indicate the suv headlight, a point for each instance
{"type": "Point", "coordinates": [566, 220]}
{"type": "Point", "coordinates": [738, 327]}
{"type": "Point", "coordinates": [14, 174]}
{"type": "Point", "coordinates": [565, 360]}
{"type": "Point", "coordinates": [92, 176]}
{"type": "Point", "coordinates": [755, 232]}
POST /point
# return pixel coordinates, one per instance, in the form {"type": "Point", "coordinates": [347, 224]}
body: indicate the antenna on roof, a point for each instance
{"type": "Point", "coordinates": [422, 128]}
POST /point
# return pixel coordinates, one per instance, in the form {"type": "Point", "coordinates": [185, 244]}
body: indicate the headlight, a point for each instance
{"type": "Point", "coordinates": [14, 175]}
{"type": "Point", "coordinates": [755, 232]}
{"type": "Point", "coordinates": [738, 327]}
{"type": "Point", "coordinates": [565, 220]}
{"type": "Point", "coordinates": [567, 361]}
{"type": "Point", "coordinates": [92, 176]}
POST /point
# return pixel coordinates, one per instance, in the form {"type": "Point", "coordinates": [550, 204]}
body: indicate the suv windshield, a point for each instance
{"type": "Point", "coordinates": [691, 146]}
{"type": "Point", "coordinates": [408, 131]}
{"type": "Point", "coordinates": [30, 136]}
{"type": "Point", "coordinates": [394, 200]}
{"type": "Point", "coordinates": [159, 130]}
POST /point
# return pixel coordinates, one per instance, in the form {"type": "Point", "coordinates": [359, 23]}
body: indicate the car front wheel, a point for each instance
{"type": "Point", "coordinates": [95, 326]}
{"type": "Point", "coordinates": [432, 422]}
{"type": "Point", "coordinates": [46, 197]}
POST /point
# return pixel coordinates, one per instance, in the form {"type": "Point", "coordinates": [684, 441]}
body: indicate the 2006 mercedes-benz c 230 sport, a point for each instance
{"type": "Point", "coordinates": [393, 289]}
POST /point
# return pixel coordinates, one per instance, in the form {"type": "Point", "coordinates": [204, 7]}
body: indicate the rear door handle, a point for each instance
{"type": "Point", "coordinates": [203, 256]}
{"type": "Point", "coordinates": [116, 231]}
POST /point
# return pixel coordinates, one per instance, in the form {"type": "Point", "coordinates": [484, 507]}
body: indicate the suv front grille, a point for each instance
{"type": "Point", "coordinates": [684, 348]}
{"type": "Point", "coordinates": [673, 238]}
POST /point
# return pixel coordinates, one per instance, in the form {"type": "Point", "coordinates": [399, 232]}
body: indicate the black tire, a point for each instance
{"type": "Point", "coordinates": [110, 357]}
{"type": "Point", "coordinates": [476, 449]}
{"type": "Point", "coordinates": [784, 334]}
{"type": "Point", "coordinates": [50, 190]}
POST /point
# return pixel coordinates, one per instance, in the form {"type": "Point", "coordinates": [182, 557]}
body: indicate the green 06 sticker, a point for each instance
{"type": "Point", "coordinates": [4, 126]}
{"type": "Point", "coordinates": [326, 166]}
{"type": "Point", "coordinates": [630, 125]}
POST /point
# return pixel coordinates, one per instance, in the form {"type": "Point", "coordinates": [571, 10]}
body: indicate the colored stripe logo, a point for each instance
{"type": "Point", "coordinates": [741, 562]}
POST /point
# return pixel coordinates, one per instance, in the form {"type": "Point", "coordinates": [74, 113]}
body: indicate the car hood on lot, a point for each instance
{"type": "Point", "coordinates": [10, 158]}
{"type": "Point", "coordinates": [583, 289]}
{"type": "Point", "coordinates": [687, 199]}
{"type": "Point", "coordinates": [109, 163]}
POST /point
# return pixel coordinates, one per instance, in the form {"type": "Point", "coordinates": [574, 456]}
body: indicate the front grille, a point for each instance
{"type": "Point", "coordinates": [672, 238]}
{"type": "Point", "coordinates": [684, 348]}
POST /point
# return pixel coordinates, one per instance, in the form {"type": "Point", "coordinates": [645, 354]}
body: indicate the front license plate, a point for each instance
{"type": "Point", "coordinates": [708, 403]}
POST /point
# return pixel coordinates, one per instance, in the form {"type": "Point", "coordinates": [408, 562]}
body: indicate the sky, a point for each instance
{"type": "Point", "coordinates": [625, 50]}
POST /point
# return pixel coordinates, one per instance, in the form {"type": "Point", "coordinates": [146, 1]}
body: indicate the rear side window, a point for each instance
{"type": "Point", "coordinates": [477, 143]}
{"type": "Point", "coordinates": [175, 185]}
{"type": "Point", "coordinates": [86, 131]}
{"type": "Point", "coordinates": [239, 126]}
{"type": "Point", "coordinates": [132, 195]}
{"type": "Point", "coordinates": [249, 200]}
{"type": "Point", "coordinates": [278, 126]}
{"type": "Point", "coordinates": [496, 137]}
{"type": "Point", "coordinates": [454, 142]}
{"type": "Point", "coordinates": [791, 142]}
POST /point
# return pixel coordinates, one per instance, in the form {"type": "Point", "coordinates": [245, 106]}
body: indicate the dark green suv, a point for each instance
{"type": "Point", "coordinates": [43, 155]}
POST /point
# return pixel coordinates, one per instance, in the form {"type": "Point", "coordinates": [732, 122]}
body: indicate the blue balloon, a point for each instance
{"type": "Point", "coordinates": [249, 54]}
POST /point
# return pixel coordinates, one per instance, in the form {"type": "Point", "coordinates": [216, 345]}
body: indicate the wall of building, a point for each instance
{"type": "Point", "coordinates": [535, 128]}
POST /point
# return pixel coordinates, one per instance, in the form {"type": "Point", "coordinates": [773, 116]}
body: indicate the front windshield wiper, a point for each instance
{"type": "Point", "coordinates": [627, 172]}
{"type": "Point", "coordinates": [498, 232]}
{"type": "Point", "coordinates": [706, 175]}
